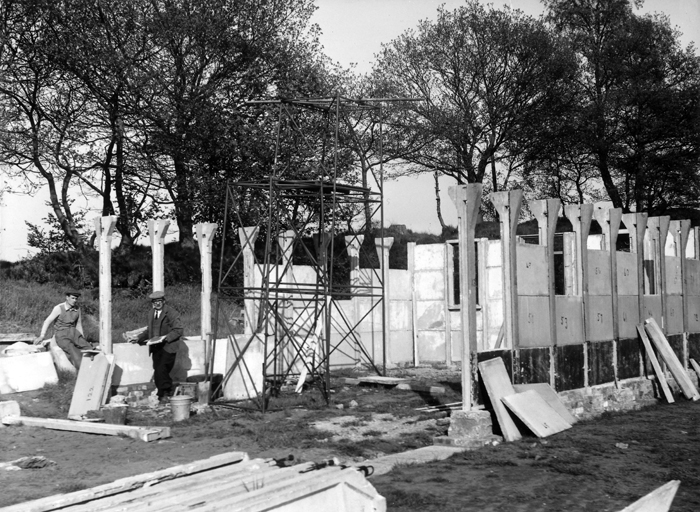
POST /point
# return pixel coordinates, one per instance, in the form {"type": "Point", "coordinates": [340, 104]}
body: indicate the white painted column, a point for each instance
{"type": "Point", "coordinates": [383, 245]}
{"type": "Point", "coordinates": [467, 200]}
{"type": "Point", "coordinates": [247, 237]}
{"type": "Point", "coordinates": [157, 230]}
{"type": "Point", "coordinates": [104, 228]}
{"type": "Point", "coordinates": [204, 232]}
{"type": "Point", "coordinates": [353, 244]}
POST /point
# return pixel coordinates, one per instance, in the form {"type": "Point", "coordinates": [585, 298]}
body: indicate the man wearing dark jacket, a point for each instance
{"type": "Point", "coordinates": [163, 337]}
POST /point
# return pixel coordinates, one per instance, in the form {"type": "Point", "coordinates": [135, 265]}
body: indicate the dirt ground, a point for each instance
{"type": "Point", "coordinates": [599, 465]}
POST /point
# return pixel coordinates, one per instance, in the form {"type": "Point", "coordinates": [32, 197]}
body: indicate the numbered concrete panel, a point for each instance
{"type": "Point", "coordinates": [652, 308]}
{"type": "Point", "coordinates": [430, 257]}
{"type": "Point", "coordinates": [693, 314]}
{"type": "Point", "coordinates": [430, 285]}
{"type": "Point", "coordinates": [599, 273]}
{"type": "Point", "coordinates": [674, 279]}
{"type": "Point", "coordinates": [431, 346]}
{"type": "Point", "coordinates": [693, 269]}
{"type": "Point", "coordinates": [626, 273]}
{"type": "Point", "coordinates": [674, 314]}
{"type": "Point", "coordinates": [533, 319]}
{"type": "Point", "coordinates": [600, 318]}
{"type": "Point", "coordinates": [430, 315]}
{"type": "Point", "coordinates": [627, 315]}
{"type": "Point", "coordinates": [569, 320]}
{"type": "Point", "coordinates": [532, 269]}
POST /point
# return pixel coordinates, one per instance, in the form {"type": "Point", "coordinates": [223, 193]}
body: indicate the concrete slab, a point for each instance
{"type": "Point", "coordinates": [26, 373]}
{"type": "Point", "coordinates": [383, 465]}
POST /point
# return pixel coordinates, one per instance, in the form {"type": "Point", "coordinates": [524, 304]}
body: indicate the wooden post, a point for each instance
{"type": "Point", "coordinates": [247, 237]}
{"type": "Point", "coordinates": [383, 246]}
{"type": "Point", "coordinates": [658, 231]}
{"type": "Point", "coordinates": [680, 230]}
{"type": "Point", "coordinates": [508, 205]}
{"type": "Point", "coordinates": [157, 230]}
{"type": "Point", "coordinates": [104, 228]}
{"type": "Point", "coordinates": [546, 211]}
{"type": "Point", "coordinates": [205, 236]}
{"type": "Point", "coordinates": [467, 200]}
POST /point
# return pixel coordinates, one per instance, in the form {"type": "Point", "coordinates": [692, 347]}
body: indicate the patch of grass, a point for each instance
{"type": "Point", "coordinates": [373, 433]}
{"type": "Point", "coordinates": [357, 422]}
{"type": "Point", "coordinates": [61, 393]}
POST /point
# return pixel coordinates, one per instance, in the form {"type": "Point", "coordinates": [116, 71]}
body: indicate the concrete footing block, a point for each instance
{"type": "Point", "coordinates": [8, 408]}
{"type": "Point", "coordinates": [470, 425]}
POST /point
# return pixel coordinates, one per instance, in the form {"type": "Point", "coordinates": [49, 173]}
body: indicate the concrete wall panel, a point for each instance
{"type": "Point", "coordinates": [674, 314]}
{"type": "Point", "coordinates": [430, 315]}
{"type": "Point", "coordinates": [626, 273]}
{"type": "Point", "coordinates": [652, 308]}
{"type": "Point", "coordinates": [600, 322]}
{"type": "Point", "coordinates": [674, 280]}
{"type": "Point", "coordinates": [431, 346]}
{"type": "Point", "coordinates": [430, 285]}
{"type": "Point", "coordinates": [569, 320]}
{"type": "Point", "coordinates": [599, 273]}
{"type": "Point", "coordinates": [399, 284]}
{"type": "Point", "coordinates": [430, 257]}
{"type": "Point", "coordinates": [693, 269]}
{"type": "Point", "coordinates": [402, 347]}
{"type": "Point", "coordinates": [532, 269]}
{"type": "Point", "coordinates": [693, 314]}
{"type": "Point", "coordinates": [533, 321]}
{"type": "Point", "coordinates": [628, 315]}
{"type": "Point", "coordinates": [400, 315]}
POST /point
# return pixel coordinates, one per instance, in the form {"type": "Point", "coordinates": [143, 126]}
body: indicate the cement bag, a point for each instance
{"type": "Point", "coordinates": [60, 359]}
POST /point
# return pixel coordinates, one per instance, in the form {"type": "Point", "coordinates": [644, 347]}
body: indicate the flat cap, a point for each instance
{"type": "Point", "coordinates": [73, 293]}
{"type": "Point", "coordinates": [157, 295]}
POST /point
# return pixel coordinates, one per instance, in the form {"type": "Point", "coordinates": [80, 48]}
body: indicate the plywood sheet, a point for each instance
{"type": "Point", "coordinates": [534, 411]}
{"type": "Point", "coordinates": [628, 315]}
{"type": "Point", "coordinates": [696, 367]}
{"type": "Point", "coordinates": [674, 314]}
{"type": "Point", "coordinates": [627, 273]}
{"type": "Point", "coordinates": [533, 313]}
{"type": "Point", "coordinates": [550, 396]}
{"type": "Point", "coordinates": [532, 270]}
{"type": "Point", "coordinates": [599, 282]}
{"type": "Point", "coordinates": [600, 324]}
{"type": "Point", "coordinates": [655, 364]}
{"type": "Point", "coordinates": [674, 280]}
{"type": "Point", "coordinates": [569, 320]}
{"type": "Point", "coordinates": [658, 500]}
{"type": "Point", "coordinates": [674, 365]}
{"type": "Point", "coordinates": [90, 384]}
{"type": "Point", "coordinates": [497, 383]}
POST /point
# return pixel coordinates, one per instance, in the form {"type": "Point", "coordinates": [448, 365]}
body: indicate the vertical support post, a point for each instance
{"type": "Point", "coordinates": [508, 205]}
{"type": "Point", "coordinates": [658, 232]}
{"type": "Point", "coordinates": [284, 282]}
{"type": "Point", "coordinates": [104, 228]}
{"type": "Point", "coordinates": [680, 230]}
{"type": "Point", "coordinates": [247, 237]}
{"type": "Point", "coordinates": [580, 216]}
{"type": "Point", "coordinates": [411, 250]}
{"type": "Point", "coordinates": [609, 220]}
{"type": "Point", "coordinates": [157, 230]}
{"type": "Point", "coordinates": [546, 211]}
{"type": "Point", "coordinates": [204, 232]}
{"type": "Point", "coordinates": [383, 245]}
{"type": "Point", "coordinates": [636, 224]}
{"type": "Point", "coordinates": [353, 244]}
{"type": "Point", "coordinates": [467, 200]}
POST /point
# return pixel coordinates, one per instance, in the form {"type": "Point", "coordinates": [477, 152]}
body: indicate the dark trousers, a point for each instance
{"type": "Point", "coordinates": [75, 355]}
{"type": "Point", "coordinates": [163, 363]}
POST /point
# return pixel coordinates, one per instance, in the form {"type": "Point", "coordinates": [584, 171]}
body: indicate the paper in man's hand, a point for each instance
{"type": "Point", "coordinates": [156, 340]}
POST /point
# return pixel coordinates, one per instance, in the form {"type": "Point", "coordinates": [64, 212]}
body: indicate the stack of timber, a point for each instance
{"type": "Point", "coordinates": [229, 481]}
{"type": "Point", "coordinates": [537, 405]}
{"type": "Point", "coordinates": [673, 364]}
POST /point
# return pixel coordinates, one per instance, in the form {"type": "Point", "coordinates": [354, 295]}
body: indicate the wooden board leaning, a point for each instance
{"type": "Point", "coordinates": [655, 364]}
{"type": "Point", "coordinates": [495, 377]}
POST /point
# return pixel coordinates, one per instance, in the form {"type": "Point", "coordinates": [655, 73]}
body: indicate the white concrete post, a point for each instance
{"type": "Point", "coordinates": [247, 237]}
{"type": "Point", "coordinates": [285, 279]}
{"type": "Point", "coordinates": [467, 200]}
{"type": "Point", "coordinates": [383, 245]}
{"type": "Point", "coordinates": [104, 228]}
{"type": "Point", "coordinates": [204, 232]}
{"type": "Point", "coordinates": [157, 230]}
{"type": "Point", "coordinates": [353, 244]}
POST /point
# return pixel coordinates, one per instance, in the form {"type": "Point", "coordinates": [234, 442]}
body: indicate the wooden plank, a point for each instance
{"type": "Point", "coordinates": [384, 381]}
{"type": "Point", "coordinates": [674, 365]}
{"type": "Point", "coordinates": [659, 500]}
{"type": "Point", "coordinates": [655, 364]}
{"type": "Point", "coordinates": [128, 484]}
{"type": "Point", "coordinates": [14, 337]}
{"type": "Point", "coordinates": [497, 382]}
{"type": "Point", "coordinates": [696, 367]}
{"type": "Point", "coordinates": [550, 396]}
{"type": "Point", "coordinates": [107, 384]}
{"type": "Point", "coordinates": [88, 427]}
{"type": "Point", "coordinates": [532, 409]}
{"type": "Point", "coordinates": [89, 385]}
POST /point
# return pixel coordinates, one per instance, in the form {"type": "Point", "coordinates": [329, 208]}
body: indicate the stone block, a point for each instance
{"type": "Point", "coordinates": [470, 425]}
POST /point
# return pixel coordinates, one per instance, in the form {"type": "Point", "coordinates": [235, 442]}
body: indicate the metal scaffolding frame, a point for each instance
{"type": "Point", "coordinates": [299, 325]}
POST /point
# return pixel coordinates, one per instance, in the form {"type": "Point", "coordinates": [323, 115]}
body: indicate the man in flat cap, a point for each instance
{"type": "Point", "coordinates": [68, 328]}
{"type": "Point", "coordinates": [163, 336]}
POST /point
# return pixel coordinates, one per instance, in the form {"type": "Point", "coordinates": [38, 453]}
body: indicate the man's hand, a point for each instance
{"type": "Point", "coordinates": [38, 340]}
